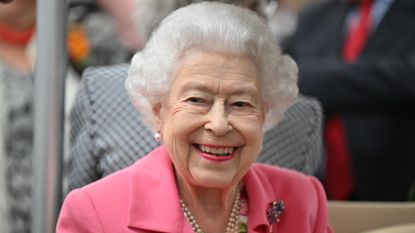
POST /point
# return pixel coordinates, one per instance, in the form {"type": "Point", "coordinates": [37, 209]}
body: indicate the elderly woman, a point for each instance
{"type": "Point", "coordinates": [210, 81]}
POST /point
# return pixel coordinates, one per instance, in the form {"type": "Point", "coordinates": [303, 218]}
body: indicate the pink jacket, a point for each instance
{"type": "Point", "coordinates": [144, 198]}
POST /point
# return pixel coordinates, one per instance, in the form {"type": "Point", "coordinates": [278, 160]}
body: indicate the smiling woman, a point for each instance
{"type": "Point", "coordinates": [210, 81]}
{"type": "Point", "coordinates": [212, 119]}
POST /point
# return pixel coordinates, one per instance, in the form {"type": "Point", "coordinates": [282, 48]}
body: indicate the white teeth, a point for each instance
{"type": "Point", "coordinates": [216, 151]}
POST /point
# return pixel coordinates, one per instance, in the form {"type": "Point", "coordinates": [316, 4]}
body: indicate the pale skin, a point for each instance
{"type": "Point", "coordinates": [213, 106]}
{"type": "Point", "coordinates": [16, 55]}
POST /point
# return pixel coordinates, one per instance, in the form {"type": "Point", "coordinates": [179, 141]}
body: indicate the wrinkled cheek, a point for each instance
{"type": "Point", "coordinates": [172, 140]}
{"type": "Point", "coordinates": [253, 138]}
{"type": "Point", "coordinates": [175, 138]}
{"type": "Point", "coordinates": [176, 150]}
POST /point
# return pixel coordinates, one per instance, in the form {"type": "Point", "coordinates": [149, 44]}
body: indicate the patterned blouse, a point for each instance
{"type": "Point", "coordinates": [16, 92]}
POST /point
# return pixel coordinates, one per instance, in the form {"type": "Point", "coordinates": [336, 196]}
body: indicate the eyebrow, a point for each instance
{"type": "Point", "coordinates": [238, 90]}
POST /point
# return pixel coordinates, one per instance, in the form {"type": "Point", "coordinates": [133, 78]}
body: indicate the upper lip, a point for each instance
{"type": "Point", "coordinates": [216, 146]}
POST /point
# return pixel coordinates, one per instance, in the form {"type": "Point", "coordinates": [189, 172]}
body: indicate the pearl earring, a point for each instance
{"type": "Point", "coordinates": [157, 137]}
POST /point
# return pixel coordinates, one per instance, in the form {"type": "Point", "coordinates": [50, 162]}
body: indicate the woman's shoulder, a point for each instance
{"type": "Point", "coordinates": [285, 180]}
{"type": "Point", "coordinates": [101, 204]}
{"type": "Point", "coordinates": [273, 171]}
{"type": "Point", "coordinates": [112, 185]}
{"type": "Point", "coordinates": [108, 202]}
{"type": "Point", "coordinates": [117, 183]}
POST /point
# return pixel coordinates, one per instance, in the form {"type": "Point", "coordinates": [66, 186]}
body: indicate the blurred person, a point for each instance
{"type": "Point", "coordinates": [281, 15]}
{"type": "Point", "coordinates": [16, 34]}
{"type": "Point", "coordinates": [3, 212]}
{"type": "Point", "coordinates": [101, 32]}
{"type": "Point", "coordinates": [122, 11]}
{"type": "Point", "coordinates": [210, 81]}
{"type": "Point", "coordinates": [16, 113]}
{"type": "Point", "coordinates": [357, 58]}
{"type": "Point", "coordinates": [17, 59]}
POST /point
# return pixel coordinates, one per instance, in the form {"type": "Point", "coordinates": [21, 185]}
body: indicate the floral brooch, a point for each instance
{"type": "Point", "coordinates": [274, 212]}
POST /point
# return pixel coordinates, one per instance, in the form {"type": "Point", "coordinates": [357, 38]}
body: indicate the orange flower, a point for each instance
{"type": "Point", "coordinates": [77, 43]}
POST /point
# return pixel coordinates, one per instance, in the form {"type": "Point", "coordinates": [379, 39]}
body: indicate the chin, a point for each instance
{"type": "Point", "coordinates": [216, 180]}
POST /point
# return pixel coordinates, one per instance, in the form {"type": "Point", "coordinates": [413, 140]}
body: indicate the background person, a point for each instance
{"type": "Point", "coordinates": [17, 61]}
{"type": "Point", "coordinates": [16, 114]}
{"type": "Point", "coordinates": [357, 58]}
{"type": "Point", "coordinates": [210, 81]}
{"type": "Point", "coordinates": [101, 32]}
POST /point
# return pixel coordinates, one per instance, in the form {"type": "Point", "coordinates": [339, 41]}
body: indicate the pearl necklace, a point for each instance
{"type": "Point", "coordinates": [233, 222]}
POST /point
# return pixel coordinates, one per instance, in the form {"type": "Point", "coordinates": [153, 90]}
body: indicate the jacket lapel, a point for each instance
{"type": "Point", "coordinates": [154, 200]}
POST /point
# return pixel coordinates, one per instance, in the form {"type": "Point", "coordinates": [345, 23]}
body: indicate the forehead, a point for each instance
{"type": "Point", "coordinates": [208, 67]}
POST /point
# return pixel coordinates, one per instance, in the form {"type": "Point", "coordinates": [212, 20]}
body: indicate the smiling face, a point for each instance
{"type": "Point", "coordinates": [212, 118]}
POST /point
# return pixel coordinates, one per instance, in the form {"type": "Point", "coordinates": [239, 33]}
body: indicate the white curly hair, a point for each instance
{"type": "Point", "coordinates": [211, 27]}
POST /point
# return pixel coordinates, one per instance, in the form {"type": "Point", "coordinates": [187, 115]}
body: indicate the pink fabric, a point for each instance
{"type": "Point", "coordinates": [144, 198]}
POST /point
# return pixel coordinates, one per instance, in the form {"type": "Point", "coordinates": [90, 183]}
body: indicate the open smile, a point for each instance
{"type": "Point", "coordinates": [216, 153]}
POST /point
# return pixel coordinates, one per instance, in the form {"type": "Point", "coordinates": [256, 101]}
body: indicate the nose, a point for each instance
{"type": "Point", "coordinates": [218, 123]}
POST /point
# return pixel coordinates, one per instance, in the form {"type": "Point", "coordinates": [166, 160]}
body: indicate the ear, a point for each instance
{"type": "Point", "coordinates": [157, 116]}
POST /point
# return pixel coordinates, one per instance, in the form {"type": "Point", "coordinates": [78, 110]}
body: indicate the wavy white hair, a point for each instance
{"type": "Point", "coordinates": [211, 27]}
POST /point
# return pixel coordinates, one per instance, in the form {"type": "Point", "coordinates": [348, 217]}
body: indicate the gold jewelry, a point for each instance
{"type": "Point", "coordinates": [233, 221]}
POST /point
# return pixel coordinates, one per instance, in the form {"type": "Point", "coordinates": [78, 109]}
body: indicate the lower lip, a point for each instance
{"type": "Point", "coordinates": [215, 158]}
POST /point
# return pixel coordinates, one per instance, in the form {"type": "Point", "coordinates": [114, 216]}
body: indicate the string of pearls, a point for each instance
{"type": "Point", "coordinates": [233, 222]}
